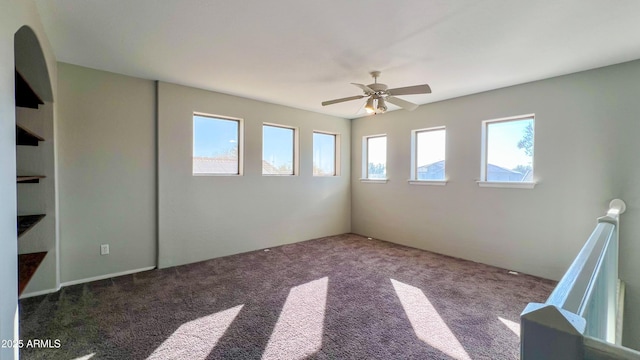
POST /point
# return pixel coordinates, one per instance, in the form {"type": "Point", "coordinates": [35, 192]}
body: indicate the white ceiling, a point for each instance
{"type": "Point", "coordinates": [300, 53]}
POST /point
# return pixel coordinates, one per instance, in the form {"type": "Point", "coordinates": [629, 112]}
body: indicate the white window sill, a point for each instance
{"type": "Point", "coordinates": [213, 174]}
{"type": "Point", "coordinates": [507, 184]}
{"type": "Point", "coordinates": [374, 181]}
{"type": "Point", "coordinates": [280, 175]}
{"type": "Point", "coordinates": [428, 182]}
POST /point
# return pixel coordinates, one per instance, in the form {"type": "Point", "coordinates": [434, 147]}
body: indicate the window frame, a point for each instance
{"type": "Point", "coordinates": [413, 178]}
{"type": "Point", "coordinates": [296, 157]}
{"type": "Point", "coordinates": [240, 122]}
{"type": "Point", "coordinates": [336, 152]}
{"type": "Point", "coordinates": [483, 182]}
{"type": "Point", "coordinates": [365, 157]}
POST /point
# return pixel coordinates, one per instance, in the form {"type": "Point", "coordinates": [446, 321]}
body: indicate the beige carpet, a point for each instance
{"type": "Point", "coordinates": [340, 297]}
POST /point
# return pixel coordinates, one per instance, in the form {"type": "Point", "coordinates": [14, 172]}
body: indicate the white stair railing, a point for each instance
{"type": "Point", "coordinates": [579, 320]}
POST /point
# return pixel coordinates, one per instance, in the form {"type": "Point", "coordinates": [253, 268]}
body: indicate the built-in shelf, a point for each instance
{"type": "Point", "coordinates": [25, 96]}
{"type": "Point", "coordinates": [27, 137]}
{"type": "Point", "coordinates": [26, 222]}
{"type": "Point", "coordinates": [27, 266]}
{"type": "Point", "coordinates": [30, 179]}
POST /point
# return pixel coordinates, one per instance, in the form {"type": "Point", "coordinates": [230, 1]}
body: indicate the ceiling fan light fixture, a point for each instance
{"type": "Point", "coordinates": [378, 94]}
{"type": "Point", "coordinates": [370, 108]}
{"type": "Point", "coordinates": [382, 107]}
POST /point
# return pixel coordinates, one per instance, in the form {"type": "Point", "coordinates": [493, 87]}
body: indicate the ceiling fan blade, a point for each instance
{"type": "Point", "coordinates": [402, 103]}
{"type": "Point", "coordinates": [410, 90]}
{"type": "Point", "coordinates": [367, 90]}
{"type": "Point", "coordinates": [330, 102]}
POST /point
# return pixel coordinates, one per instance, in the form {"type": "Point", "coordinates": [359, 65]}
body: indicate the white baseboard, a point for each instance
{"type": "Point", "coordinates": [38, 293]}
{"type": "Point", "coordinates": [107, 276]}
{"type": "Point", "coordinates": [82, 281]}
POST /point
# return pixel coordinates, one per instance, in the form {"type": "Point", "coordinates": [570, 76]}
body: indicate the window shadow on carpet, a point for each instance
{"type": "Point", "coordinates": [336, 297]}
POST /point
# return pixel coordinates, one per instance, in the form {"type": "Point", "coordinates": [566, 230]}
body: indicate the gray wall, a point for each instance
{"type": "Point", "coordinates": [202, 217]}
{"type": "Point", "coordinates": [106, 172]}
{"type": "Point", "coordinates": [585, 155]}
{"type": "Point", "coordinates": [623, 95]}
{"type": "Point", "coordinates": [15, 14]}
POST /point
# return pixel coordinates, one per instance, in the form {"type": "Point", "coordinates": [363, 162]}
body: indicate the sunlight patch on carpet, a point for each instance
{"type": "Point", "coordinates": [195, 339]}
{"type": "Point", "coordinates": [298, 332]}
{"type": "Point", "coordinates": [426, 322]}
{"type": "Point", "coordinates": [512, 325]}
{"type": "Point", "coordinates": [86, 357]}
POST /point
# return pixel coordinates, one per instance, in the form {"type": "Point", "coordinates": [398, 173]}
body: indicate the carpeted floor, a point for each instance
{"type": "Point", "coordinates": [340, 297]}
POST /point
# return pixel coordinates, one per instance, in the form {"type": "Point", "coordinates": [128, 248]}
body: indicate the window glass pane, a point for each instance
{"type": "Point", "coordinates": [277, 150]}
{"type": "Point", "coordinates": [324, 154]}
{"type": "Point", "coordinates": [430, 152]}
{"type": "Point", "coordinates": [215, 145]}
{"type": "Point", "coordinates": [510, 150]}
{"type": "Point", "coordinates": [377, 157]}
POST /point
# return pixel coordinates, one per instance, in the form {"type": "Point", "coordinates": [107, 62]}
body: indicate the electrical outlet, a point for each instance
{"type": "Point", "coordinates": [104, 249]}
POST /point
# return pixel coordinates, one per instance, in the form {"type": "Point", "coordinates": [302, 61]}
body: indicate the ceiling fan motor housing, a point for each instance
{"type": "Point", "coordinates": [378, 88]}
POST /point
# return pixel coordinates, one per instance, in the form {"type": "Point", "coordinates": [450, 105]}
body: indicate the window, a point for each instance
{"type": "Point", "coordinates": [216, 145]}
{"type": "Point", "coordinates": [507, 154]}
{"type": "Point", "coordinates": [375, 157]}
{"type": "Point", "coordinates": [325, 154]}
{"type": "Point", "coordinates": [428, 155]}
{"type": "Point", "coordinates": [279, 154]}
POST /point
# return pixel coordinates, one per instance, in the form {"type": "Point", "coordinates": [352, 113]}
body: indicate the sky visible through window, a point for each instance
{"type": "Point", "coordinates": [277, 149]}
{"type": "Point", "coordinates": [377, 157]}
{"type": "Point", "coordinates": [430, 154]}
{"type": "Point", "coordinates": [431, 146]}
{"type": "Point", "coordinates": [324, 154]}
{"type": "Point", "coordinates": [214, 137]}
{"type": "Point", "coordinates": [502, 144]}
{"type": "Point", "coordinates": [218, 138]}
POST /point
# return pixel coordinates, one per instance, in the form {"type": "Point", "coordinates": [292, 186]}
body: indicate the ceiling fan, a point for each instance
{"type": "Point", "coordinates": [378, 93]}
